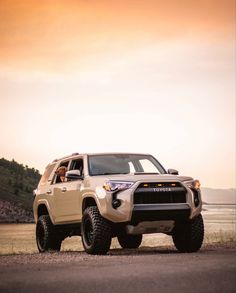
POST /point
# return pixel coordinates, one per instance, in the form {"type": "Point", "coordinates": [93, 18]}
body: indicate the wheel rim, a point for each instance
{"type": "Point", "coordinates": [40, 236]}
{"type": "Point", "coordinates": [88, 231]}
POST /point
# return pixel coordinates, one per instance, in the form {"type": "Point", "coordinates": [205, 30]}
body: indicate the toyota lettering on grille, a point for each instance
{"type": "Point", "coordinates": [162, 189]}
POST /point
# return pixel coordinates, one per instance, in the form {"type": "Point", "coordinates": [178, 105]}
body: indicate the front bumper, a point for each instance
{"type": "Point", "coordinates": [158, 212]}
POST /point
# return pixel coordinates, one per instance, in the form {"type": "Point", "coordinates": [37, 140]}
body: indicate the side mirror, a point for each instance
{"type": "Point", "coordinates": [73, 175]}
{"type": "Point", "coordinates": [173, 172]}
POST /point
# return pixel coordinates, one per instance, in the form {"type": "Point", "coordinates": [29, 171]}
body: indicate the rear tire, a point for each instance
{"type": "Point", "coordinates": [129, 241]}
{"type": "Point", "coordinates": [46, 237]}
{"type": "Point", "coordinates": [188, 236]}
{"type": "Point", "coordinates": [96, 232]}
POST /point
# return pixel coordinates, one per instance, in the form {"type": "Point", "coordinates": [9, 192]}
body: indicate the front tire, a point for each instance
{"type": "Point", "coordinates": [129, 241]}
{"type": "Point", "coordinates": [188, 236]}
{"type": "Point", "coordinates": [96, 232]}
{"type": "Point", "coordinates": [46, 237]}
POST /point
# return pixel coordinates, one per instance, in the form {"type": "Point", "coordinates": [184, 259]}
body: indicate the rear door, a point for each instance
{"type": "Point", "coordinates": [67, 195]}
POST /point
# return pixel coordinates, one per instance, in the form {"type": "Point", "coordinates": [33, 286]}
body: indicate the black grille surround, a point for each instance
{"type": "Point", "coordinates": [159, 193]}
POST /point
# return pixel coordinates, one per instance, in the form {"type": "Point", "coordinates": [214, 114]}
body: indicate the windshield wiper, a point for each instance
{"type": "Point", "coordinates": [146, 173]}
{"type": "Point", "coordinates": [107, 173]}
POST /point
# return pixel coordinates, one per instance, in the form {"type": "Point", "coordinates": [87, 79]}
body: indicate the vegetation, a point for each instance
{"type": "Point", "coordinates": [17, 183]}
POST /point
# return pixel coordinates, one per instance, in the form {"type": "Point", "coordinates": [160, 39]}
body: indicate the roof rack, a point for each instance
{"type": "Point", "coordinates": [74, 154]}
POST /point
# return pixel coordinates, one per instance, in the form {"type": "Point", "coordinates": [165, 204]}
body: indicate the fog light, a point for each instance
{"type": "Point", "coordinates": [116, 203]}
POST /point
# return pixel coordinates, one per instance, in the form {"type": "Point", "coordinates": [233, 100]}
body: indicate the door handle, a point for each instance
{"type": "Point", "coordinates": [63, 189]}
{"type": "Point", "coordinates": [49, 191]}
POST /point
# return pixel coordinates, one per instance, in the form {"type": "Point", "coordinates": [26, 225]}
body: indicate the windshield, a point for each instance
{"type": "Point", "coordinates": [123, 164]}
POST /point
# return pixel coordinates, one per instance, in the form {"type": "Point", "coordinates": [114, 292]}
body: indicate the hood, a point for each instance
{"type": "Point", "coordinates": [147, 177]}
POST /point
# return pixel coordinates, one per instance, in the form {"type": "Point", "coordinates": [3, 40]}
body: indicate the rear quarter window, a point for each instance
{"type": "Point", "coordinates": [46, 174]}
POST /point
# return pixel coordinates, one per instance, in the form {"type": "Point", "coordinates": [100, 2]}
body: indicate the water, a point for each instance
{"type": "Point", "coordinates": [218, 217]}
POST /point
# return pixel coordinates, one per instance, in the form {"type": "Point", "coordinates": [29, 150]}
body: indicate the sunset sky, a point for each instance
{"type": "Point", "coordinates": [146, 76]}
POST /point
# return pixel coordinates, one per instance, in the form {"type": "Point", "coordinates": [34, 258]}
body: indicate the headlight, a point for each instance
{"type": "Point", "coordinates": [193, 184]}
{"type": "Point", "coordinates": [117, 185]}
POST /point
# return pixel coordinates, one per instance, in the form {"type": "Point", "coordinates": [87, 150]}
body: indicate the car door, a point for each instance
{"type": "Point", "coordinates": [67, 199]}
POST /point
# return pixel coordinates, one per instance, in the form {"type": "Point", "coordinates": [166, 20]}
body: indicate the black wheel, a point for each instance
{"type": "Point", "coordinates": [188, 236]}
{"type": "Point", "coordinates": [129, 241]}
{"type": "Point", "coordinates": [96, 232]}
{"type": "Point", "coordinates": [46, 237]}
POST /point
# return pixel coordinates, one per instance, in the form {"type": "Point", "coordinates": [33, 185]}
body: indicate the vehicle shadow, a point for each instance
{"type": "Point", "coordinates": [127, 252]}
{"type": "Point", "coordinates": [143, 251]}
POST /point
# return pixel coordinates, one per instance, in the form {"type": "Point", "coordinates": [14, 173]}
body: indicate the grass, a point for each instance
{"type": "Point", "coordinates": [220, 237]}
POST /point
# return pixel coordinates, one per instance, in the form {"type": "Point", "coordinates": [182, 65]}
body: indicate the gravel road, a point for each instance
{"type": "Point", "coordinates": [213, 269]}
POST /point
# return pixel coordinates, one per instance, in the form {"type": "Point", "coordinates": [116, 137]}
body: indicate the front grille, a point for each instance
{"type": "Point", "coordinates": [160, 192]}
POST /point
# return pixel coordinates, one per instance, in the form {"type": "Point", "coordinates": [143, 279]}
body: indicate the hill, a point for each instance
{"type": "Point", "coordinates": [17, 183]}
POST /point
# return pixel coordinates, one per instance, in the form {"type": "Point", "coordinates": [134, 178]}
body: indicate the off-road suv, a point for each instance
{"type": "Point", "coordinates": [116, 195]}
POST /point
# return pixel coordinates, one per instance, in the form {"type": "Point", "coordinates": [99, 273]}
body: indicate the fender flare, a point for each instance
{"type": "Point", "coordinates": [45, 203]}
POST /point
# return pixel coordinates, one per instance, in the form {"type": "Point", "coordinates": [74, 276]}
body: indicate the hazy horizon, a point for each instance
{"type": "Point", "coordinates": [127, 76]}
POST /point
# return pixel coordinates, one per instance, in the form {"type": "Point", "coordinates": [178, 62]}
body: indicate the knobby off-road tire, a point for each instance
{"type": "Point", "coordinates": [188, 236]}
{"type": "Point", "coordinates": [46, 237]}
{"type": "Point", "coordinates": [129, 241]}
{"type": "Point", "coordinates": [96, 232]}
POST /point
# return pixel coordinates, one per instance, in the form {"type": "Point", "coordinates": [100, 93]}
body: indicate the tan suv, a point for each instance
{"type": "Point", "coordinates": [116, 195]}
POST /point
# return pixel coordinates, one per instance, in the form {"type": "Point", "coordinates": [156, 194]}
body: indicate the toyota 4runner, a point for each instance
{"type": "Point", "coordinates": [116, 195]}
